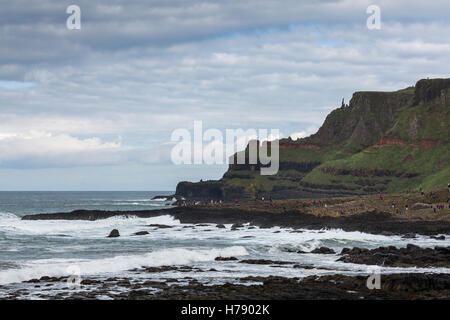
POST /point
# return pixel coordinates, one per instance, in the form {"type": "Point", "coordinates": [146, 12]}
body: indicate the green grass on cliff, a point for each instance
{"type": "Point", "coordinates": [430, 165]}
{"type": "Point", "coordinates": [424, 121]}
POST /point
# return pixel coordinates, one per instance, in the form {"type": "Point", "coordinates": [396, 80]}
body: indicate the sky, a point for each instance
{"type": "Point", "coordinates": [95, 108]}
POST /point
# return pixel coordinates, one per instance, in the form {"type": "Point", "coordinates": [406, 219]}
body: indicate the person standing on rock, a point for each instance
{"type": "Point", "coordinates": [381, 196]}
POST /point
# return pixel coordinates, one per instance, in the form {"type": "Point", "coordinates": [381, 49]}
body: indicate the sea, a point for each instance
{"type": "Point", "coordinates": [32, 249]}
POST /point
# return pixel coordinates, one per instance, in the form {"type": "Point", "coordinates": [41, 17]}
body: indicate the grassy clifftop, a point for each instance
{"type": "Point", "coordinates": [380, 142]}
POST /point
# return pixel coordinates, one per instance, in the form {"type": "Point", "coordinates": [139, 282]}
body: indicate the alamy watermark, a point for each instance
{"type": "Point", "coordinates": [253, 147]}
{"type": "Point", "coordinates": [374, 280]}
{"type": "Point", "coordinates": [73, 22]}
{"type": "Point", "coordinates": [374, 20]}
{"type": "Point", "coordinates": [74, 280]}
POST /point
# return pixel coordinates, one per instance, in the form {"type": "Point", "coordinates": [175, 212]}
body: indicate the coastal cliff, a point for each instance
{"type": "Point", "coordinates": [379, 142]}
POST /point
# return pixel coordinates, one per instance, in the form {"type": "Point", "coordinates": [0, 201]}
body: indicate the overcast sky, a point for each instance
{"type": "Point", "coordinates": [94, 109]}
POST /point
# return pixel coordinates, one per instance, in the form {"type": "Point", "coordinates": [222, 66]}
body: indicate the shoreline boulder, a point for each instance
{"type": "Point", "coordinates": [114, 233]}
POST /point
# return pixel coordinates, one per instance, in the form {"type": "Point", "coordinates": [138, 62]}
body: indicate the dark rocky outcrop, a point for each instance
{"type": "Point", "coordinates": [159, 226]}
{"type": "Point", "coordinates": [337, 287]}
{"type": "Point", "coordinates": [226, 259]}
{"type": "Point", "coordinates": [264, 261]}
{"type": "Point", "coordinates": [140, 233]}
{"type": "Point", "coordinates": [114, 234]}
{"type": "Point", "coordinates": [428, 89]}
{"type": "Point", "coordinates": [323, 250]}
{"type": "Point", "coordinates": [411, 256]}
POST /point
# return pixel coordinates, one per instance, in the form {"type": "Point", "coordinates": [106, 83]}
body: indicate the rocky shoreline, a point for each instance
{"type": "Point", "coordinates": [369, 222]}
{"type": "Point", "coordinates": [165, 282]}
{"type": "Point", "coordinates": [411, 256]}
{"type": "Point", "coordinates": [392, 286]}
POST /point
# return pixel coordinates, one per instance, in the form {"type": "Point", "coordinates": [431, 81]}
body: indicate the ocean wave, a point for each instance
{"type": "Point", "coordinates": [8, 215]}
{"type": "Point", "coordinates": [59, 267]}
{"type": "Point", "coordinates": [78, 227]}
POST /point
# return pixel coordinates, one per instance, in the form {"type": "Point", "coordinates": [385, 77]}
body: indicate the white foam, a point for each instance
{"type": "Point", "coordinates": [58, 267]}
{"type": "Point", "coordinates": [78, 228]}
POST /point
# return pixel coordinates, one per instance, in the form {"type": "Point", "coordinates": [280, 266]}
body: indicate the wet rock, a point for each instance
{"type": "Point", "coordinates": [294, 250]}
{"type": "Point", "coordinates": [409, 236]}
{"type": "Point", "coordinates": [226, 259]}
{"type": "Point", "coordinates": [304, 266]}
{"type": "Point", "coordinates": [90, 282]}
{"type": "Point", "coordinates": [160, 226]}
{"type": "Point", "coordinates": [32, 281]}
{"type": "Point", "coordinates": [114, 234]}
{"type": "Point", "coordinates": [323, 250]}
{"type": "Point", "coordinates": [438, 237]}
{"type": "Point", "coordinates": [412, 247]}
{"type": "Point", "coordinates": [220, 226]}
{"type": "Point", "coordinates": [140, 233]}
{"type": "Point", "coordinates": [236, 226]}
{"type": "Point", "coordinates": [264, 261]}
{"type": "Point", "coordinates": [411, 256]}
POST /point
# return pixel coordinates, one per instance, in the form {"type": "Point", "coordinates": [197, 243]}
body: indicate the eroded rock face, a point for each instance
{"type": "Point", "coordinates": [114, 234]}
{"type": "Point", "coordinates": [429, 89]}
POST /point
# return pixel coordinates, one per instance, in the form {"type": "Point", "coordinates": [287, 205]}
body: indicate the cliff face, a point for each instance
{"type": "Point", "coordinates": [380, 142]}
{"type": "Point", "coordinates": [428, 90]}
{"type": "Point", "coordinates": [363, 122]}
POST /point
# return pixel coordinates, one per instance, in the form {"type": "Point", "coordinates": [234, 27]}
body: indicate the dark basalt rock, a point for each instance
{"type": "Point", "coordinates": [114, 234]}
{"type": "Point", "coordinates": [226, 259]}
{"type": "Point", "coordinates": [264, 261]}
{"type": "Point", "coordinates": [294, 250]}
{"type": "Point", "coordinates": [323, 250]}
{"type": "Point", "coordinates": [411, 256]}
{"type": "Point", "coordinates": [160, 226]}
{"type": "Point", "coordinates": [236, 226]}
{"type": "Point", "coordinates": [220, 226]}
{"type": "Point", "coordinates": [140, 233]}
{"type": "Point", "coordinates": [409, 236]}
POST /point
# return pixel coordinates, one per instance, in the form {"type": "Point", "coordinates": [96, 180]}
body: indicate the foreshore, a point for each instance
{"type": "Point", "coordinates": [337, 287]}
{"type": "Point", "coordinates": [148, 284]}
{"type": "Point", "coordinates": [364, 213]}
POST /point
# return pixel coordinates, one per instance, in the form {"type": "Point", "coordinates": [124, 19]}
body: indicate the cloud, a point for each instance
{"type": "Point", "coordinates": [43, 149]}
